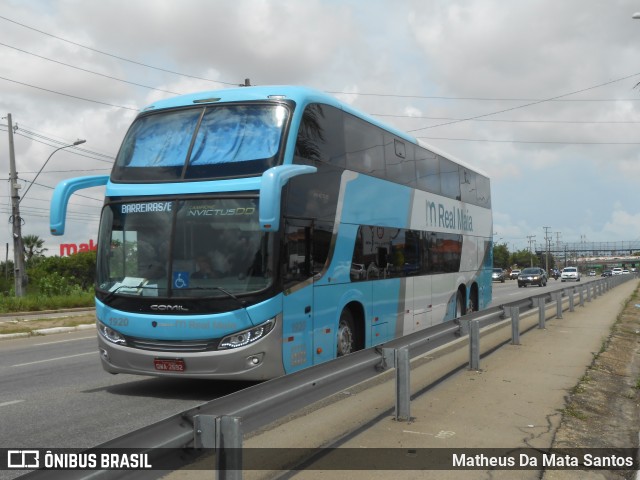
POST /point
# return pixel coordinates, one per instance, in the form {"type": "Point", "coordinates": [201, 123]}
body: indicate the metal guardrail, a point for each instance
{"type": "Point", "coordinates": [180, 438]}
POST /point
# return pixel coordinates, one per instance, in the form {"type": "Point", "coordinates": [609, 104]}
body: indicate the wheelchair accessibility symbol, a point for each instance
{"type": "Point", "coordinates": [180, 279]}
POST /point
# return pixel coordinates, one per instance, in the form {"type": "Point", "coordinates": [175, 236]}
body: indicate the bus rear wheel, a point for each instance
{"type": "Point", "coordinates": [346, 334]}
{"type": "Point", "coordinates": [460, 310]}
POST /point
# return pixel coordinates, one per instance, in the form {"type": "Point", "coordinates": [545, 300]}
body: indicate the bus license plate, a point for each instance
{"type": "Point", "coordinates": [169, 364]}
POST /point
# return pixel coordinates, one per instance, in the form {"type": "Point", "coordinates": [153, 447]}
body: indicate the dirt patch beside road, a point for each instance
{"type": "Point", "coordinates": [31, 325]}
{"type": "Point", "coordinates": [603, 411]}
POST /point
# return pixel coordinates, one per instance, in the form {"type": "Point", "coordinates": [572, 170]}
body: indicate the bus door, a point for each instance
{"type": "Point", "coordinates": [297, 303]}
{"type": "Point", "coordinates": [418, 306]}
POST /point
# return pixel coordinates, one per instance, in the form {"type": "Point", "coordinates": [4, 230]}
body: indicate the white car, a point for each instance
{"type": "Point", "coordinates": [570, 273]}
{"type": "Point", "coordinates": [616, 271]}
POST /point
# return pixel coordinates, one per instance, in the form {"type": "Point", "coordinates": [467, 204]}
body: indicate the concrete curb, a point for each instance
{"type": "Point", "coordinates": [87, 310]}
{"type": "Point", "coordinates": [47, 331]}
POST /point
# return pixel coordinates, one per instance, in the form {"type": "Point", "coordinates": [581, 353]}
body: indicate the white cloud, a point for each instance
{"type": "Point", "coordinates": [485, 56]}
{"type": "Point", "coordinates": [623, 224]}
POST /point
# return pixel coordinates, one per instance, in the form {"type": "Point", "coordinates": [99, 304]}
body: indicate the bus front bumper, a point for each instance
{"type": "Point", "coordinates": [259, 361]}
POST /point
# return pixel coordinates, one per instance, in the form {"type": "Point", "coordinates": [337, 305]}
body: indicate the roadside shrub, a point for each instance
{"type": "Point", "coordinates": [52, 284]}
{"type": "Point", "coordinates": [78, 269]}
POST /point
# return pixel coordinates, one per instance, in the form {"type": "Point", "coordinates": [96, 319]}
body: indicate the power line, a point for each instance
{"type": "Point", "coordinates": [537, 102]}
{"type": "Point", "coordinates": [551, 142]}
{"type": "Point", "coordinates": [76, 194]}
{"type": "Point", "coordinates": [68, 95]}
{"type": "Point", "coordinates": [35, 136]}
{"type": "Point", "coordinates": [3, 210]}
{"type": "Point", "coordinates": [117, 56]}
{"type": "Point", "coordinates": [72, 170]}
{"type": "Point", "coordinates": [50, 142]}
{"type": "Point", "coordinates": [496, 120]}
{"type": "Point", "coordinates": [90, 71]}
{"type": "Point", "coordinates": [35, 199]}
{"type": "Point", "coordinates": [75, 212]}
{"type": "Point", "coordinates": [486, 99]}
{"type": "Point", "coordinates": [60, 140]}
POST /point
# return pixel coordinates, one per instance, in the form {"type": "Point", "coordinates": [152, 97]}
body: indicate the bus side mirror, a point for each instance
{"type": "Point", "coordinates": [271, 185]}
{"type": "Point", "coordinates": [61, 195]}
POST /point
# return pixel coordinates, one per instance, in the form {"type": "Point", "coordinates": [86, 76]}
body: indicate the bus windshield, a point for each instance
{"type": "Point", "coordinates": [202, 143]}
{"type": "Point", "coordinates": [183, 248]}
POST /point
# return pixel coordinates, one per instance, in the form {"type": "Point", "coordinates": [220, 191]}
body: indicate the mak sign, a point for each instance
{"type": "Point", "coordinates": [72, 248]}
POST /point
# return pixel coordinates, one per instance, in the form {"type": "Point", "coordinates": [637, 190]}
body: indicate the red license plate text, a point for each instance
{"type": "Point", "coordinates": [169, 364]}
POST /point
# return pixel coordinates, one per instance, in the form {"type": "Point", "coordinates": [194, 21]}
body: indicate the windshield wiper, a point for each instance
{"type": "Point", "coordinates": [242, 303]}
{"type": "Point", "coordinates": [115, 290]}
{"type": "Point", "coordinates": [112, 293]}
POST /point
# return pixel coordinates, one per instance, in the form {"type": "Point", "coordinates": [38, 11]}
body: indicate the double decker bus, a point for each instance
{"type": "Point", "coordinates": [252, 232]}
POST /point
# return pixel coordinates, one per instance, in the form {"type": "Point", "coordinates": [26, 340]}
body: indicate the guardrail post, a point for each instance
{"type": "Point", "coordinates": [540, 303]}
{"type": "Point", "coordinates": [596, 290]}
{"type": "Point", "coordinates": [558, 298]}
{"type": "Point", "coordinates": [588, 293]}
{"type": "Point", "coordinates": [572, 292]}
{"type": "Point", "coordinates": [403, 394]}
{"type": "Point", "coordinates": [514, 313]}
{"type": "Point", "coordinates": [204, 431]}
{"type": "Point", "coordinates": [400, 359]}
{"type": "Point", "coordinates": [474, 345]}
{"type": "Point", "coordinates": [228, 448]}
{"type": "Point", "coordinates": [582, 295]}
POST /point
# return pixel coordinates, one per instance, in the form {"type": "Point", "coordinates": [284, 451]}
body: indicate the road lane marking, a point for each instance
{"type": "Point", "coordinates": [12, 402]}
{"type": "Point", "coordinates": [54, 359]}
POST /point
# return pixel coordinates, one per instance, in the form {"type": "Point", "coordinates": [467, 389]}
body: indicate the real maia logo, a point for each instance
{"type": "Point", "coordinates": [450, 217]}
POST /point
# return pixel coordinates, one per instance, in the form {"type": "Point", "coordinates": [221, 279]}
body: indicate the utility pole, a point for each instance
{"type": "Point", "coordinates": [547, 243]}
{"type": "Point", "coordinates": [558, 250]}
{"type": "Point", "coordinates": [16, 219]}
{"type": "Point", "coordinates": [531, 237]}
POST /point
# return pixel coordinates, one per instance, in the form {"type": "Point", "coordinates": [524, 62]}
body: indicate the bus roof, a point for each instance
{"type": "Point", "coordinates": [300, 95]}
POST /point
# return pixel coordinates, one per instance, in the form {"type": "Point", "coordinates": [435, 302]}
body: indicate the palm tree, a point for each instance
{"type": "Point", "coordinates": [33, 247]}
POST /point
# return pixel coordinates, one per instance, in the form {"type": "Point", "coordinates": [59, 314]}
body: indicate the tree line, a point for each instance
{"type": "Point", "coordinates": [50, 276]}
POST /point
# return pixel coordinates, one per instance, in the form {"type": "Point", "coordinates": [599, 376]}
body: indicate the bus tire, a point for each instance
{"type": "Point", "coordinates": [346, 334]}
{"type": "Point", "coordinates": [460, 310]}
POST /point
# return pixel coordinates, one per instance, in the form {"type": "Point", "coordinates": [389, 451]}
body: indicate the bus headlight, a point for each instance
{"type": "Point", "coordinates": [110, 334]}
{"type": "Point", "coordinates": [246, 337]}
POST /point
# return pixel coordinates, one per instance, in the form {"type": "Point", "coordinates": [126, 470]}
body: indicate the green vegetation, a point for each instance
{"type": "Point", "coordinates": [35, 303]}
{"type": "Point", "coordinates": [52, 282]}
{"type": "Point", "coordinates": [503, 258]}
{"type": "Point", "coordinates": [573, 411]}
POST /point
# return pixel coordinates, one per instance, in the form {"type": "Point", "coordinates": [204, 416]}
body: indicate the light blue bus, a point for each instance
{"type": "Point", "coordinates": [252, 232]}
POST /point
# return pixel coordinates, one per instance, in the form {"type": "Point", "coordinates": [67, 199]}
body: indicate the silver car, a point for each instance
{"type": "Point", "coordinates": [570, 274]}
{"type": "Point", "coordinates": [497, 275]}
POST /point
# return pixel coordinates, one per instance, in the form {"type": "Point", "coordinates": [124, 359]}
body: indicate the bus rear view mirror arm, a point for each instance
{"type": "Point", "coordinates": [271, 192]}
{"type": "Point", "coordinates": [61, 195]}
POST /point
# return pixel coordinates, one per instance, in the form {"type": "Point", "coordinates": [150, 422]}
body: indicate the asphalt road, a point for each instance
{"type": "Point", "coordinates": [508, 291]}
{"type": "Point", "coordinates": [55, 394]}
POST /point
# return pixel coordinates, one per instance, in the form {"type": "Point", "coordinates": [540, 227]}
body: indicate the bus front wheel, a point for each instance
{"type": "Point", "coordinates": [346, 333]}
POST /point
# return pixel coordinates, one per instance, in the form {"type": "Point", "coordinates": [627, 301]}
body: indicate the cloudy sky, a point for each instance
{"type": "Point", "coordinates": [539, 94]}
